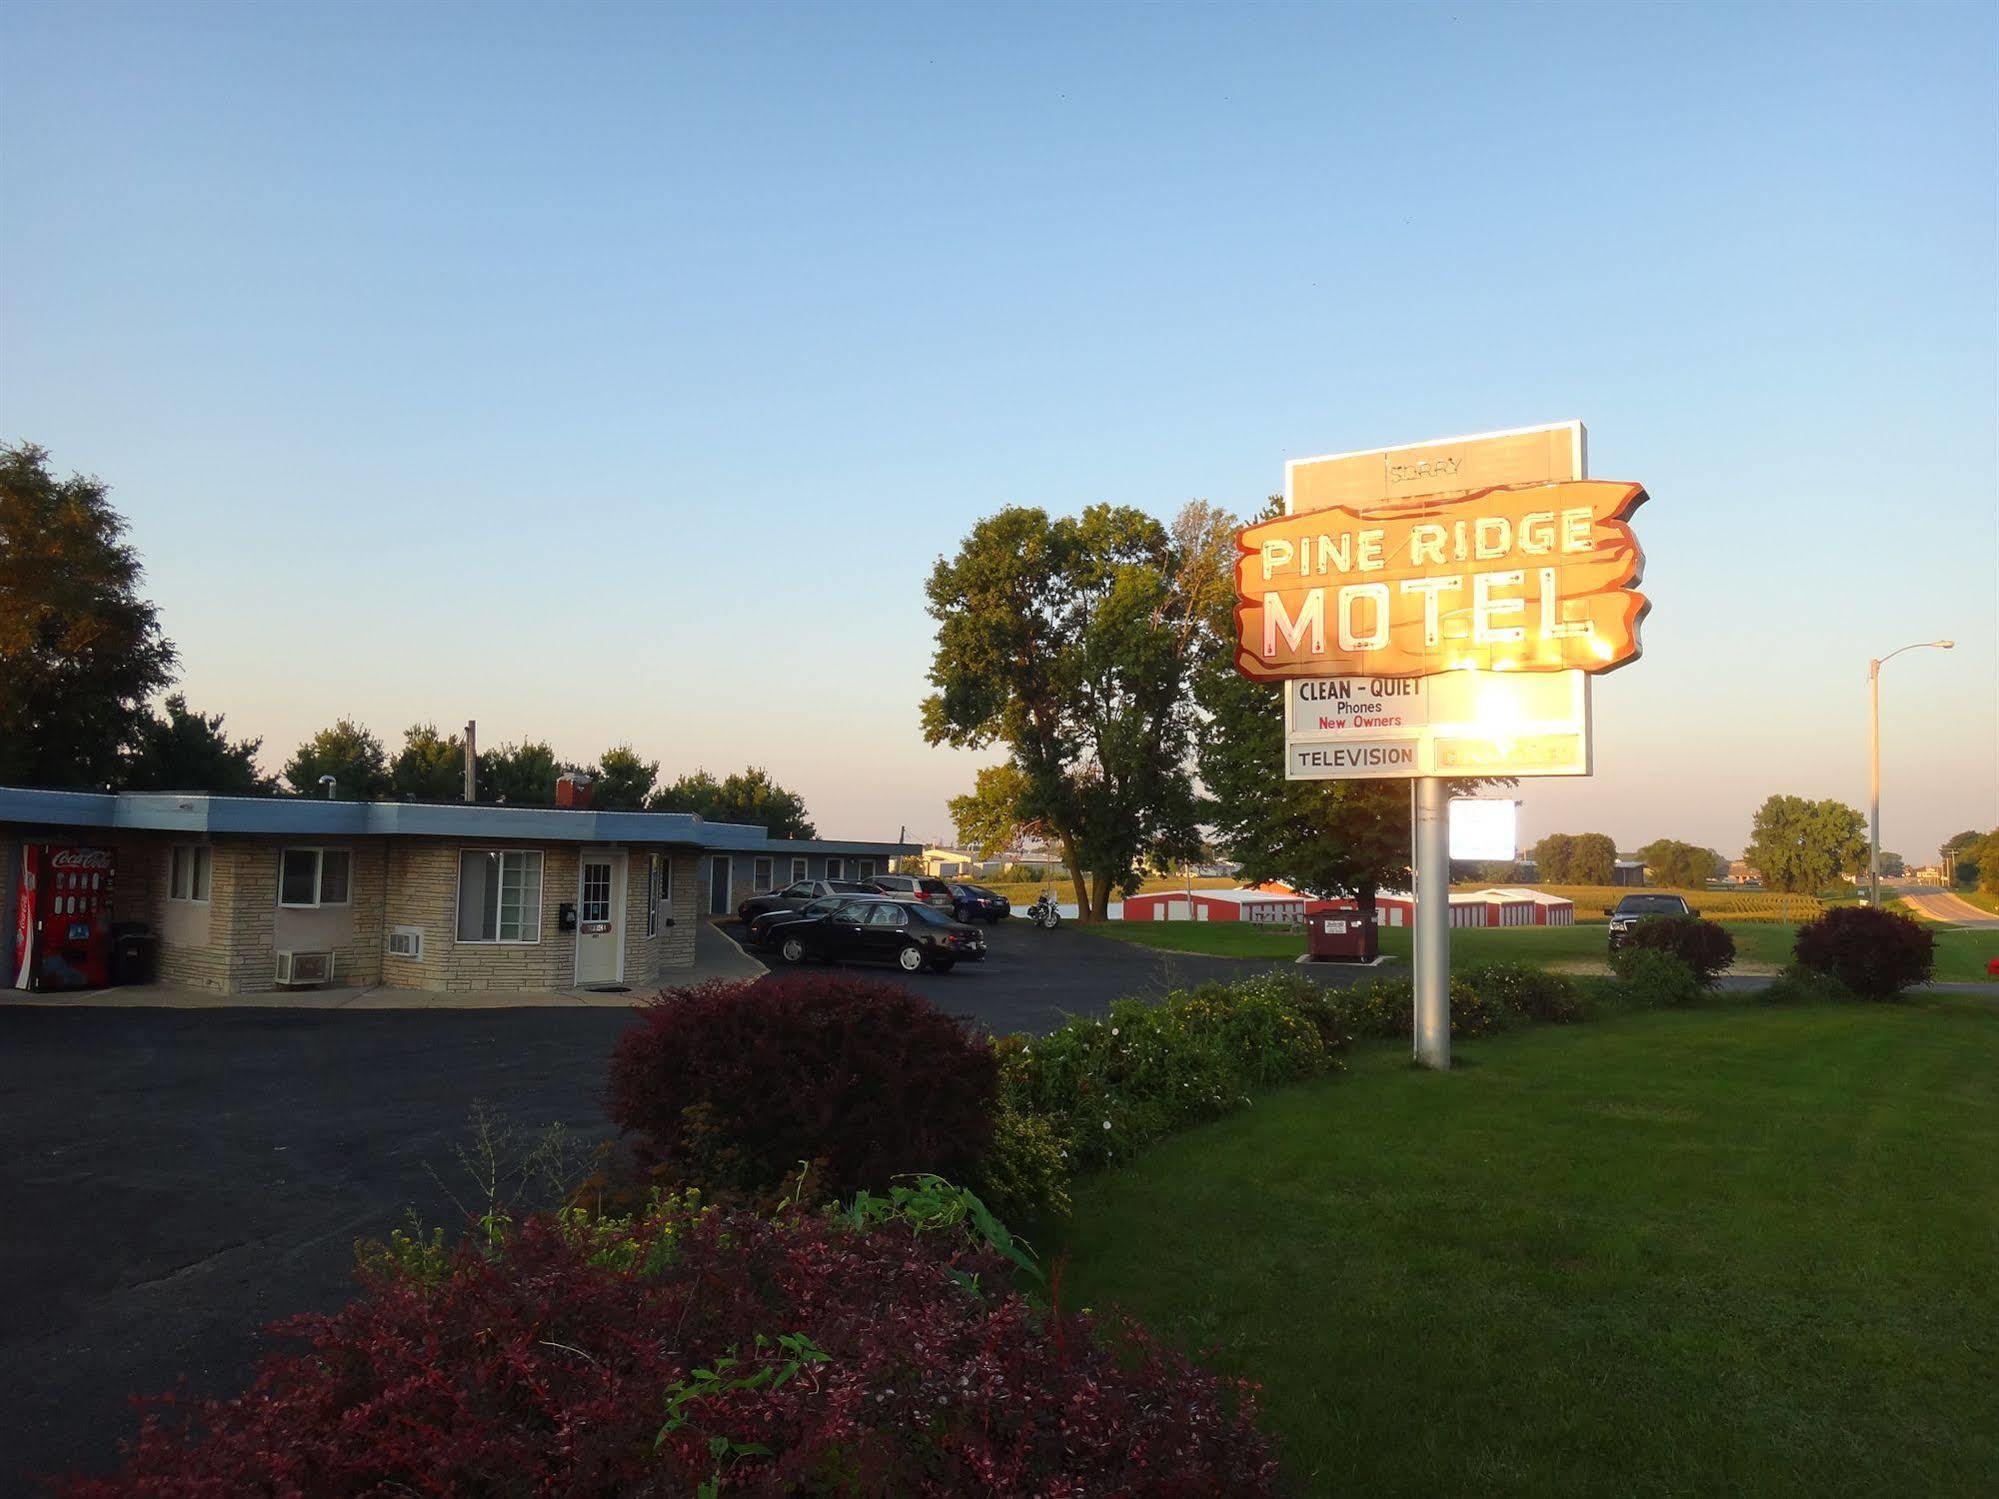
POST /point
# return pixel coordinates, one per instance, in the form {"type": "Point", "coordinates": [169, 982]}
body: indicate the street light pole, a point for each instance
{"type": "Point", "coordinates": [1874, 760]}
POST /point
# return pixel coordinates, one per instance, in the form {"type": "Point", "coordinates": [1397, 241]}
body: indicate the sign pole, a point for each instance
{"type": "Point", "coordinates": [1433, 923]}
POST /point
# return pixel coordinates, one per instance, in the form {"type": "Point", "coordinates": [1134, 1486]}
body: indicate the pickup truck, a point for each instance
{"type": "Point", "coordinates": [1633, 909]}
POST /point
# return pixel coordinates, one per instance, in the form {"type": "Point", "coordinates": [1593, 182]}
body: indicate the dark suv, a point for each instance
{"type": "Point", "coordinates": [917, 887]}
{"type": "Point", "coordinates": [1636, 908]}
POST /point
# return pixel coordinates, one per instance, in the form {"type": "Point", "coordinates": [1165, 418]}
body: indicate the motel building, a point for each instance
{"type": "Point", "coordinates": [244, 895]}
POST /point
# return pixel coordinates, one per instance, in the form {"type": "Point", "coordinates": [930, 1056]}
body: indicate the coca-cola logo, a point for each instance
{"type": "Point", "coordinates": [80, 858]}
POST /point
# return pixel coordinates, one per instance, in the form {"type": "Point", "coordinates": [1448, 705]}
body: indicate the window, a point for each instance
{"type": "Point", "coordinates": [499, 895]}
{"type": "Point", "coordinates": [596, 902]}
{"type": "Point", "coordinates": [652, 895]}
{"type": "Point", "coordinates": [315, 877]}
{"type": "Point", "coordinates": [865, 869]}
{"type": "Point", "coordinates": [761, 877]}
{"type": "Point", "coordinates": [888, 914]}
{"type": "Point", "coordinates": [835, 869]}
{"type": "Point", "coordinates": [797, 869]}
{"type": "Point", "coordinates": [187, 877]}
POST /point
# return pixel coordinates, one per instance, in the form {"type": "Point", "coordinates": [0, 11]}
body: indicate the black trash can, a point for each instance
{"type": "Point", "coordinates": [132, 952]}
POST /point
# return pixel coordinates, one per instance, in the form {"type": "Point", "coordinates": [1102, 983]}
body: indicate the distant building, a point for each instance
{"type": "Point", "coordinates": [951, 863]}
{"type": "Point", "coordinates": [1628, 872]}
{"type": "Point", "coordinates": [1281, 905]}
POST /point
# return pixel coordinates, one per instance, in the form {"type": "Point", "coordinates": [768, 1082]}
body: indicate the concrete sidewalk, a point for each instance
{"type": "Point", "coordinates": [715, 957]}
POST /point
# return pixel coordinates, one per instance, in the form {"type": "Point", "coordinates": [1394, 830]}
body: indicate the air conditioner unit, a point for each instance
{"type": "Point", "coordinates": [304, 967]}
{"type": "Point", "coordinates": [406, 942]}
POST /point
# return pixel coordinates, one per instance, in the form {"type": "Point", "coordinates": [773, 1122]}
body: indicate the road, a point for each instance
{"type": "Point", "coordinates": [1951, 910]}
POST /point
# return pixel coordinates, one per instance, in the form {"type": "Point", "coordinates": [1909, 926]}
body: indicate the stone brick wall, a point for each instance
{"type": "Point", "coordinates": [651, 961]}
{"type": "Point", "coordinates": [422, 888]}
{"type": "Point", "coordinates": [230, 945]}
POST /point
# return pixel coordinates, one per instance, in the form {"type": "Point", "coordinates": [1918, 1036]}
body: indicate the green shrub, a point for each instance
{"type": "Point", "coordinates": [1386, 1009]}
{"type": "Point", "coordinates": [1706, 947]}
{"type": "Point", "coordinates": [1024, 1176]}
{"type": "Point", "coordinates": [1527, 992]}
{"type": "Point", "coordinates": [1875, 953]}
{"type": "Point", "coordinates": [1109, 1087]}
{"type": "Point", "coordinates": [1798, 984]}
{"type": "Point", "coordinates": [1650, 979]}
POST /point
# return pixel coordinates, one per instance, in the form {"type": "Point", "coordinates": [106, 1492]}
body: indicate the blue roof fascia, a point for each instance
{"type": "Point", "coordinates": [837, 846]}
{"type": "Point", "coordinates": [172, 812]}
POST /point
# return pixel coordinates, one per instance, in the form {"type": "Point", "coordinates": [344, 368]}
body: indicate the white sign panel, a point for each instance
{"type": "Point", "coordinates": [1485, 830]}
{"type": "Point", "coordinates": [1459, 723]}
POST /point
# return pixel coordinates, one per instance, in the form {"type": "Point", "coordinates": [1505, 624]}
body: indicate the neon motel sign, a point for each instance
{"type": "Point", "coordinates": [1513, 577]}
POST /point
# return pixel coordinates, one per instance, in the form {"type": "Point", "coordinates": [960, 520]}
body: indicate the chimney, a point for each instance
{"type": "Point", "coordinates": [572, 791]}
{"type": "Point", "coordinates": [471, 759]}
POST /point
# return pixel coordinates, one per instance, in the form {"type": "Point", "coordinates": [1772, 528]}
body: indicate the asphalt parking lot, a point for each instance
{"type": "Point", "coordinates": [1033, 980]}
{"type": "Point", "coordinates": [175, 1180]}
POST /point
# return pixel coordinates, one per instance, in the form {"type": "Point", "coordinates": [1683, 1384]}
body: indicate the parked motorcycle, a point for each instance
{"type": "Point", "coordinates": [1043, 913]}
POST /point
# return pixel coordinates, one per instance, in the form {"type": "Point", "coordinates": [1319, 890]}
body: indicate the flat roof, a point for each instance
{"type": "Point", "coordinates": [311, 817]}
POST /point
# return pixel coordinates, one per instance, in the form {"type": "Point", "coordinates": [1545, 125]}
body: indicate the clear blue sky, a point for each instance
{"type": "Point", "coordinates": [565, 366]}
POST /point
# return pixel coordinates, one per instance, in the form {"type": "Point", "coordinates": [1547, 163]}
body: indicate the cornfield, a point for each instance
{"type": "Point", "coordinates": [1718, 905]}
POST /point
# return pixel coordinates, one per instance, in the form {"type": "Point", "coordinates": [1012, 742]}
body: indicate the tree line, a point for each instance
{"type": "Point", "coordinates": [83, 658]}
{"type": "Point", "coordinates": [1971, 860]}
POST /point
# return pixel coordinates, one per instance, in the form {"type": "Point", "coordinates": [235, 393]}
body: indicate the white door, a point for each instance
{"type": "Point", "coordinates": [600, 916]}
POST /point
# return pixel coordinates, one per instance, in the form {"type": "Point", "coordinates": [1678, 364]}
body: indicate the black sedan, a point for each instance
{"type": "Point", "coordinates": [797, 895]}
{"type": "Point", "coordinates": [910, 936]}
{"type": "Point", "coordinates": [762, 926]}
{"type": "Point", "coordinates": [977, 903]}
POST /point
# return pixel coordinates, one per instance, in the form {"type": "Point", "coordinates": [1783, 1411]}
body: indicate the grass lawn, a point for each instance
{"type": "Point", "coordinates": [1760, 946]}
{"type": "Point", "coordinates": [1756, 942]}
{"type": "Point", "coordinates": [1962, 952]}
{"type": "Point", "coordinates": [1735, 1249]}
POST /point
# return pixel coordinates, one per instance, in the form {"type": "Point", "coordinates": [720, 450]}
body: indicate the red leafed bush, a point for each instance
{"type": "Point", "coordinates": [1875, 953]}
{"type": "Point", "coordinates": [653, 1358]}
{"type": "Point", "coordinates": [731, 1086]}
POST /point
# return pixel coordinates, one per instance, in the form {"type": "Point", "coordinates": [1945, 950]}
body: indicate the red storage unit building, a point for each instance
{"type": "Point", "coordinates": [1278, 905]}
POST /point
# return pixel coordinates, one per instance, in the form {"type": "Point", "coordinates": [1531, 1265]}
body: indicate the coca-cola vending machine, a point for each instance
{"type": "Point", "coordinates": [62, 917]}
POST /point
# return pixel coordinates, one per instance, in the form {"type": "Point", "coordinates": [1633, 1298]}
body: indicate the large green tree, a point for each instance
{"type": "Point", "coordinates": [521, 775]}
{"type": "Point", "coordinates": [347, 752]}
{"type": "Point", "coordinates": [623, 781]}
{"type": "Point", "coordinates": [1575, 859]}
{"type": "Point", "coordinates": [1685, 866]}
{"type": "Point", "coordinates": [81, 654]}
{"type": "Point", "coordinates": [988, 817]}
{"type": "Point", "coordinates": [1977, 853]}
{"type": "Point", "coordinates": [1593, 859]}
{"type": "Point", "coordinates": [748, 796]}
{"type": "Point", "coordinates": [1800, 845]}
{"type": "Point", "coordinates": [1959, 856]}
{"type": "Point", "coordinates": [1066, 640]}
{"type": "Point", "coordinates": [181, 750]}
{"type": "Point", "coordinates": [1554, 859]}
{"type": "Point", "coordinates": [430, 767]}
